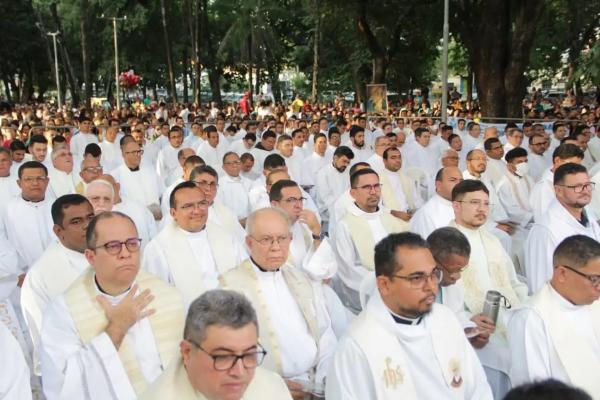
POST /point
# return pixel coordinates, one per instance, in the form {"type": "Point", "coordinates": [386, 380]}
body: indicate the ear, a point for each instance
{"type": "Point", "coordinates": [353, 193]}
{"type": "Point", "coordinates": [172, 212]}
{"type": "Point", "coordinates": [56, 229]}
{"type": "Point", "coordinates": [185, 348]}
{"type": "Point", "coordinates": [90, 256]}
{"type": "Point", "coordinates": [19, 183]}
{"type": "Point", "coordinates": [383, 284]}
{"type": "Point", "coordinates": [456, 206]}
{"type": "Point", "coordinates": [249, 243]}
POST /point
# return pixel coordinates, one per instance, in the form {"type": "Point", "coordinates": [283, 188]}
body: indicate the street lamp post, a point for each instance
{"type": "Point", "coordinates": [114, 22]}
{"type": "Point", "coordinates": [445, 64]}
{"type": "Point", "coordinates": [54, 34]}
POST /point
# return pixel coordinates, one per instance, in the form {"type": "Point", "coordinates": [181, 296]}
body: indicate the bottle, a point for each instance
{"type": "Point", "coordinates": [491, 305]}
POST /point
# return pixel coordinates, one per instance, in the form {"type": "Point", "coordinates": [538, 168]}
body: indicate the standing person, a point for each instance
{"type": "Point", "coordinates": [82, 138]}
{"type": "Point", "coordinates": [420, 351]}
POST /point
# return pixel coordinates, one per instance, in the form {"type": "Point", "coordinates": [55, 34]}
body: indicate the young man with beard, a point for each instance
{"type": "Point", "coordinates": [332, 181]}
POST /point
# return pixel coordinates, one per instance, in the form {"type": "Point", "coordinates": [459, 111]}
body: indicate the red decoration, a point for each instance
{"type": "Point", "coordinates": [129, 79]}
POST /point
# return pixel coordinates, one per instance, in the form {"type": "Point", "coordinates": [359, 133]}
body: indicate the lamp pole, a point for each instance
{"type": "Point", "coordinates": [114, 22]}
{"type": "Point", "coordinates": [54, 34]}
{"type": "Point", "coordinates": [445, 63]}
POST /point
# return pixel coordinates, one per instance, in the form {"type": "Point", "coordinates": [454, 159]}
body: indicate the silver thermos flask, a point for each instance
{"type": "Point", "coordinates": [491, 305]}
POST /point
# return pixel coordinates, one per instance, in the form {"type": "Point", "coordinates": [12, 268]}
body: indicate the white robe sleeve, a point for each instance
{"type": "Point", "coordinates": [538, 248]}
{"type": "Point", "coordinates": [155, 262]}
{"type": "Point", "coordinates": [328, 341]}
{"type": "Point", "coordinates": [14, 379]}
{"type": "Point", "coordinates": [529, 351]}
{"type": "Point", "coordinates": [512, 207]}
{"type": "Point", "coordinates": [421, 223]}
{"type": "Point", "coordinates": [73, 370]}
{"type": "Point", "coordinates": [519, 287]}
{"type": "Point", "coordinates": [349, 376]}
{"type": "Point", "coordinates": [350, 265]}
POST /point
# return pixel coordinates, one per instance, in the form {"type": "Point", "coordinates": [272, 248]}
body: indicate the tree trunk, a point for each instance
{"type": "Point", "coordinates": [214, 77]}
{"type": "Point", "coordinates": [7, 89]}
{"type": "Point", "coordinates": [154, 92]}
{"type": "Point", "coordinates": [168, 51]}
{"type": "Point", "coordinates": [316, 42]}
{"type": "Point", "coordinates": [469, 85]}
{"type": "Point", "coordinates": [257, 83]}
{"type": "Point", "coordinates": [194, 20]}
{"type": "Point", "coordinates": [379, 69]}
{"type": "Point", "coordinates": [66, 60]}
{"type": "Point", "coordinates": [273, 71]}
{"type": "Point", "coordinates": [185, 75]}
{"type": "Point", "coordinates": [85, 54]}
{"type": "Point", "coordinates": [249, 44]}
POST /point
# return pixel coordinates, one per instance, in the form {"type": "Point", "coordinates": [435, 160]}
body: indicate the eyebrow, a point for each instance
{"type": "Point", "coordinates": [233, 351]}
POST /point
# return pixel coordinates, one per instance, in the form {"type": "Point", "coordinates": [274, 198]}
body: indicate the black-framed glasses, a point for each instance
{"type": "Point", "coordinates": [294, 200]}
{"type": "Point", "coordinates": [270, 241]}
{"type": "Point", "coordinates": [135, 152]}
{"type": "Point", "coordinates": [376, 187]}
{"type": "Point", "coordinates": [114, 247]}
{"type": "Point", "coordinates": [224, 362]}
{"type": "Point", "coordinates": [419, 279]}
{"type": "Point", "coordinates": [205, 184]}
{"type": "Point", "coordinates": [476, 203]}
{"type": "Point", "coordinates": [594, 279]}
{"type": "Point", "coordinates": [581, 187]}
{"type": "Point", "coordinates": [444, 268]}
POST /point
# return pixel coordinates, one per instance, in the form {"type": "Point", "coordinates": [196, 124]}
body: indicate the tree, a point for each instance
{"type": "Point", "coordinates": [168, 52]}
{"type": "Point", "coordinates": [498, 35]}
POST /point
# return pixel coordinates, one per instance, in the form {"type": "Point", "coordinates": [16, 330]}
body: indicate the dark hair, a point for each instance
{"type": "Point", "coordinates": [273, 161]}
{"type": "Point", "coordinates": [567, 150]}
{"type": "Point", "coordinates": [193, 160]}
{"type": "Point", "coordinates": [472, 125]}
{"type": "Point", "coordinates": [277, 187]}
{"type": "Point", "coordinates": [515, 153]}
{"type": "Point", "coordinates": [420, 131]}
{"type": "Point", "coordinates": [90, 233]}
{"type": "Point", "coordinates": [359, 164]}
{"type": "Point", "coordinates": [452, 137]}
{"type": "Point", "coordinates": [344, 151]}
{"type": "Point", "coordinates": [268, 134]}
{"type": "Point", "coordinates": [386, 262]}
{"type": "Point", "coordinates": [180, 186]}
{"type": "Point", "coordinates": [557, 125]}
{"type": "Point", "coordinates": [318, 135]}
{"type": "Point", "coordinates": [549, 389]}
{"type": "Point", "coordinates": [576, 251]}
{"type": "Point", "coordinates": [31, 165]}
{"type": "Point", "coordinates": [332, 131]}
{"type": "Point", "coordinates": [58, 139]}
{"type": "Point", "coordinates": [93, 149]}
{"type": "Point", "coordinates": [357, 174]}
{"type": "Point", "coordinates": [250, 136]}
{"type": "Point", "coordinates": [209, 129]}
{"type": "Point", "coordinates": [388, 150]}
{"type": "Point", "coordinates": [37, 139]}
{"type": "Point", "coordinates": [467, 186]}
{"type": "Point", "coordinates": [174, 128]}
{"type": "Point", "coordinates": [126, 139]}
{"type": "Point", "coordinates": [535, 135]}
{"type": "Point", "coordinates": [64, 202]}
{"type": "Point", "coordinates": [446, 241]}
{"type": "Point", "coordinates": [487, 145]}
{"type": "Point", "coordinates": [246, 156]}
{"type": "Point", "coordinates": [17, 145]}
{"type": "Point", "coordinates": [354, 129]}
{"type": "Point", "coordinates": [203, 169]}
{"type": "Point", "coordinates": [567, 169]}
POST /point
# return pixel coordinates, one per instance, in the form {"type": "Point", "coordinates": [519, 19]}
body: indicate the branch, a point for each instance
{"type": "Point", "coordinates": [363, 28]}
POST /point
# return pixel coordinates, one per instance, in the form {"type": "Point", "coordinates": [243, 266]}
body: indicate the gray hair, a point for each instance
{"type": "Point", "coordinates": [251, 220]}
{"type": "Point", "coordinates": [218, 307]}
{"type": "Point", "coordinates": [446, 241]}
{"type": "Point", "coordinates": [100, 182]}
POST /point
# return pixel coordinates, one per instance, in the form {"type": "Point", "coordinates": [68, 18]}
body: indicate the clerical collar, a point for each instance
{"type": "Point", "coordinates": [261, 268]}
{"type": "Point", "coordinates": [584, 219]}
{"type": "Point", "coordinates": [405, 321]}
{"type": "Point", "coordinates": [260, 146]}
{"type": "Point", "coordinates": [366, 212]}
{"type": "Point", "coordinates": [108, 294]}
{"type": "Point", "coordinates": [134, 169]}
{"type": "Point", "coordinates": [31, 201]}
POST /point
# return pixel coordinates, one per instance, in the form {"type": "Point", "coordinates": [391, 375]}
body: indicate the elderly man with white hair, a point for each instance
{"type": "Point", "coordinates": [104, 195]}
{"type": "Point", "coordinates": [61, 176]}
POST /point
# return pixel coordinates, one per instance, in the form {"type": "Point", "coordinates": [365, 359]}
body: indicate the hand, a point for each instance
{"type": "Point", "coordinates": [310, 219]}
{"type": "Point", "coordinates": [480, 340]}
{"type": "Point", "coordinates": [404, 216]}
{"type": "Point", "coordinates": [296, 390]}
{"type": "Point", "coordinates": [127, 312]}
{"type": "Point", "coordinates": [506, 228]}
{"type": "Point", "coordinates": [484, 323]}
{"type": "Point", "coordinates": [21, 280]}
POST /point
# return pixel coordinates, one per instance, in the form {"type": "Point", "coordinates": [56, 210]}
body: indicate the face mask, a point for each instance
{"type": "Point", "coordinates": [522, 169]}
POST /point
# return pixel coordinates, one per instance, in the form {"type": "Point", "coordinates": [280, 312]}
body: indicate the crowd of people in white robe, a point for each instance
{"type": "Point", "coordinates": [364, 252]}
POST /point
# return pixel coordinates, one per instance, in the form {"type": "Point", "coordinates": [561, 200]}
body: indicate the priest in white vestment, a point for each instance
{"type": "Point", "coordinates": [111, 151]}
{"type": "Point", "coordinates": [82, 138]}
{"type": "Point", "coordinates": [382, 143]}
{"type": "Point", "coordinates": [183, 154]}
{"type": "Point", "coordinates": [420, 154]}
{"type": "Point", "coordinates": [357, 144]}
{"type": "Point", "coordinates": [298, 337]}
{"type": "Point", "coordinates": [490, 268]}
{"type": "Point", "coordinates": [90, 169]}
{"type": "Point", "coordinates": [472, 139]}
{"type": "Point", "coordinates": [61, 178]}
{"type": "Point", "coordinates": [263, 149]}
{"type": "Point", "coordinates": [356, 233]}
{"type": "Point", "coordinates": [191, 253]}
{"type": "Point", "coordinates": [556, 334]}
{"type": "Point", "coordinates": [233, 188]}
{"type": "Point", "coordinates": [168, 160]}
{"type": "Point", "coordinates": [542, 193]}
{"type": "Point", "coordinates": [333, 180]}
{"type": "Point", "coordinates": [138, 182]}
{"type": "Point", "coordinates": [220, 356]}
{"type": "Point", "coordinates": [60, 264]}
{"type": "Point", "coordinates": [293, 162]}
{"type": "Point", "coordinates": [14, 380]}
{"type": "Point", "coordinates": [8, 181]}
{"type": "Point", "coordinates": [316, 161]}
{"type": "Point", "coordinates": [495, 160]}
{"type": "Point", "coordinates": [400, 194]}
{"type": "Point", "coordinates": [567, 215]}
{"type": "Point", "coordinates": [243, 145]}
{"type": "Point", "coordinates": [115, 329]}
{"type": "Point", "coordinates": [437, 211]}
{"type": "Point", "coordinates": [104, 195]}
{"type": "Point", "coordinates": [403, 345]}
{"type": "Point", "coordinates": [537, 159]}
{"type": "Point", "coordinates": [26, 221]}
{"type": "Point", "coordinates": [514, 190]}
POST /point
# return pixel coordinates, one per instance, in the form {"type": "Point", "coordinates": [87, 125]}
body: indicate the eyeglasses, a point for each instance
{"type": "Point", "coordinates": [135, 152]}
{"type": "Point", "coordinates": [36, 179]}
{"type": "Point", "coordinates": [594, 279]}
{"type": "Point", "coordinates": [539, 144]}
{"type": "Point", "coordinates": [193, 206]}
{"type": "Point", "coordinates": [418, 280]}
{"type": "Point", "coordinates": [210, 185]}
{"type": "Point", "coordinates": [269, 240]}
{"type": "Point", "coordinates": [114, 247]}
{"type": "Point", "coordinates": [376, 187]}
{"type": "Point", "coordinates": [477, 203]}
{"type": "Point", "coordinates": [460, 271]}
{"type": "Point", "coordinates": [92, 170]}
{"type": "Point", "coordinates": [225, 362]}
{"type": "Point", "coordinates": [294, 200]}
{"type": "Point", "coordinates": [581, 187]}
{"type": "Point", "coordinates": [233, 163]}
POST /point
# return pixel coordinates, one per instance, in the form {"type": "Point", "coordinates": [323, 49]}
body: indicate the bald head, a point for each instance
{"type": "Point", "coordinates": [183, 154]}
{"type": "Point", "coordinates": [101, 194]}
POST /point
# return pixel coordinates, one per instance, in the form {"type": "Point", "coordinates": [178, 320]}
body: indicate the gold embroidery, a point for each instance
{"type": "Point", "coordinates": [392, 376]}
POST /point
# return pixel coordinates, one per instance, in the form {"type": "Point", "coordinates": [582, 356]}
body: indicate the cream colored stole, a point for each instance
{"type": "Point", "coordinates": [244, 279]}
{"type": "Point", "coordinates": [474, 293]}
{"type": "Point", "coordinates": [174, 384]}
{"type": "Point", "coordinates": [362, 236]}
{"type": "Point", "coordinates": [577, 357]}
{"type": "Point", "coordinates": [179, 255]}
{"type": "Point", "coordinates": [389, 199]}
{"type": "Point", "coordinates": [226, 217]}
{"type": "Point", "coordinates": [80, 188]}
{"type": "Point", "coordinates": [389, 367]}
{"type": "Point", "coordinates": [167, 323]}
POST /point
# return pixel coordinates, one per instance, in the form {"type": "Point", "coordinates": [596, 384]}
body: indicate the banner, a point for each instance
{"type": "Point", "coordinates": [377, 99]}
